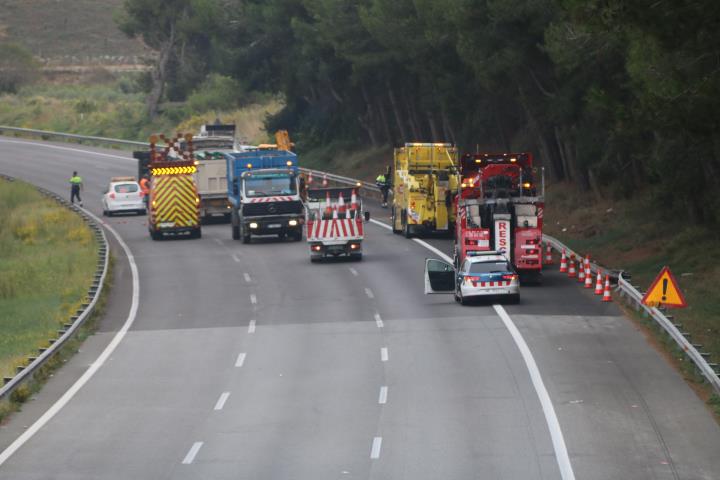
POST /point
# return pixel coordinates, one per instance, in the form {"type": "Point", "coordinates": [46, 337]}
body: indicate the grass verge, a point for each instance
{"type": "Point", "coordinates": [47, 262]}
{"type": "Point", "coordinates": [641, 237]}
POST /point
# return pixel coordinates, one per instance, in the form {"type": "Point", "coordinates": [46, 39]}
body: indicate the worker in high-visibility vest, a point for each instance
{"type": "Point", "coordinates": [76, 184]}
{"type": "Point", "coordinates": [382, 182]}
{"type": "Point", "coordinates": [145, 188]}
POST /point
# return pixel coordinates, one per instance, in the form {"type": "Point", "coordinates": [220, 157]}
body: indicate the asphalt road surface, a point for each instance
{"type": "Point", "coordinates": [250, 362]}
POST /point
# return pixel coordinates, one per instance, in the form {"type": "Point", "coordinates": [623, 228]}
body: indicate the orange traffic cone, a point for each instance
{"type": "Point", "coordinates": [325, 182]}
{"type": "Point", "coordinates": [588, 278]}
{"type": "Point", "coordinates": [328, 207]}
{"type": "Point", "coordinates": [353, 200]}
{"type": "Point", "coordinates": [309, 180]}
{"type": "Point", "coordinates": [571, 271]}
{"type": "Point", "coordinates": [563, 262]}
{"type": "Point", "coordinates": [598, 284]}
{"type": "Point", "coordinates": [548, 255]}
{"type": "Point", "coordinates": [581, 272]}
{"type": "Point", "coordinates": [335, 213]}
{"type": "Point", "coordinates": [606, 293]}
{"type": "Point", "coordinates": [341, 206]}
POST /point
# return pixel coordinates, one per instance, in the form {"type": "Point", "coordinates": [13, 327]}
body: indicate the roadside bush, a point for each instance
{"type": "Point", "coordinates": [216, 93]}
{"type": "Point", "coordinates": [17, 67]}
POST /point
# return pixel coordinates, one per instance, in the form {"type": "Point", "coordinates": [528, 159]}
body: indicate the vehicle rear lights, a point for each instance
{"type": "Point", "coordinates": [293, 223]}
{"type": "Point", "coordinates": [354, 246]}
{"type": "Point", "coordinates": [316, 248]}
{"type": "Point", "coordinates": [112, 195]}
{"type": "Point", "coordinates": [472, 280]}
{"type": "Point", "coordinates": [509, 277]}
{"type": "Point", "coordinates": [253, 225]}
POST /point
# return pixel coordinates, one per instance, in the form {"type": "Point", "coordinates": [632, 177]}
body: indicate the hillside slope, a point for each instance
{"type": "Point", "coordinates": [68, 31]}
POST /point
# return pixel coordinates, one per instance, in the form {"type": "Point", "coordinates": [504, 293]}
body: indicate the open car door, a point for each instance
{"type": "Point", "coordinates": [439, 276]}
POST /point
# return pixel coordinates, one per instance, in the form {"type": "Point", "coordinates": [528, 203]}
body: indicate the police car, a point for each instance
{"type": "Point", "coordinates": [122, 195]}
{"type": "Point", "coordinates": [483, 275]}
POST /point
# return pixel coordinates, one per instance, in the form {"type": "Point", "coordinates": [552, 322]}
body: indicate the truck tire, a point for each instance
{"type": "Point", "coordinates": [197, 233]}
{"type": "Point", "coordinates": [515, 299]}
{"type": "Point", "coordinates": [394, 222]}
{"type": "Point", "coordinates": [155, 235]}
{"type": "Point", "coordinates": [407, 232]}
{"type": "Point", "coordinates": [356, 257]}
{"type": "Point", "coordinates": [235, 225]}
{"type": "Point", "coordinates": [245, 236]}
{"type": "Point", "coordinates": [297, 236]}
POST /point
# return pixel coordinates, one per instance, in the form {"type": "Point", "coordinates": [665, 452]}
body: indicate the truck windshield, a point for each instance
{"type": "Point", "coordinates": [262, 186]}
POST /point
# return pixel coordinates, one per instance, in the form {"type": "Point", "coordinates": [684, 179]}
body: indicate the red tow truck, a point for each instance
{"type": "Point", "coordinates": [500, 208]}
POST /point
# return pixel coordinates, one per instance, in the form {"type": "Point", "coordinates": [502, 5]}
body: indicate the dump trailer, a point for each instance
{"type": "Point", "coordinates": [173, 204]}
{"type": "Point", "coordinates": [500, 207]}
{"type": "Point", "coordinates": [424, 182]}
{"type": "Point", "coordinates": [334, 220]}
{"type": "Point", "coordinates": [211, 176]}
{"type": "Point", "coordinates": [264, 194]}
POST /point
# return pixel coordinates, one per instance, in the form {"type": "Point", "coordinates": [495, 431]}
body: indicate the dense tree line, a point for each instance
{"type": "Point", "coordinates": [619, 93]}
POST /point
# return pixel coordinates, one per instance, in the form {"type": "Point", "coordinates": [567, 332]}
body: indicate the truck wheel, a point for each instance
{"type": "Point", "coordinates": [356, 257]}
{"type": "Point", "coordinates": [515, 299]}
{"type": "Point", "coordinates": [235, 232]}
{"type": "Point", "coordinates": [155, 235]}
{"type": "Point", "coordinates": [407, 232]}
{"type": "Point", "coordinates": [394, 222]}
{"type": "Point", "coordinates": [297, 236]}
{"type": "Point", "coordinates": [245, 236]}
{"type": "Point", "coordinates": [197, 233]}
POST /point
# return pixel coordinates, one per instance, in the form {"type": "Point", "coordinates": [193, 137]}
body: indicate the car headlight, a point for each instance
{"type": "Point", "coordinates": [293, 223]}
{"type": "Point", "coordinates": [253, 225]}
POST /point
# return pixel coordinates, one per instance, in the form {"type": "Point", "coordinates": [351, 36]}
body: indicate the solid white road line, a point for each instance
{"type": "Point", "coordinates": [378, 321]}
{"type": "Point", "coordinates": [384, 354]}
{"type": "Point", "coordinates": [353, 271]}
{"type": "Point", "coordinates": [240, 360]}
{"type": "Point", "coordinates": [70, 393]}
{"type": "Point", "coordinates": [236, 258]}
{"type": "Point", "coordinates": [219, 242]}
{"type": "Point", "coordinates": [191, 454]}
{"type": "Point", "coordinates": [375, 450]}
{"type": "Point", "coordinates": [561, 454]}
{"type": "Point", "coordinates": [251, 326]}
{"type": "Point", "coordinates": [221, 401]}
{"type": "Point", "coordinates": [382, 399]}
{"type": "Point", "coordinates": [253, 298]}
{"type": "Point", "coordinates": [369, 293]}
{"type": "Point", "coordinates": [247, 277]}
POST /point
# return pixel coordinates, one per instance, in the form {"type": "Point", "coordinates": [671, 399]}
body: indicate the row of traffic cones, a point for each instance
{"type": "Point", "coordinates": [340, 209]}
{"type": "Point", "coordinates": [324, 180]}
{"type": "Point", "coordinates": [585, 273]}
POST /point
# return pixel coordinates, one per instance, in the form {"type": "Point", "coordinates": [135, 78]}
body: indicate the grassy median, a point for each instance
{"type": "Point", "coordinates": [47, 262]}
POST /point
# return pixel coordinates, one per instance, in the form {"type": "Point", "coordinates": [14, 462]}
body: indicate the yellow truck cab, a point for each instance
{"type": "Point", "coordinates": [425, 179]}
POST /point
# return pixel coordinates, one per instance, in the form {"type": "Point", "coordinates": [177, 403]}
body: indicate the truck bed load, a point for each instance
{"type": "Point", "coordinates": [334, 222]}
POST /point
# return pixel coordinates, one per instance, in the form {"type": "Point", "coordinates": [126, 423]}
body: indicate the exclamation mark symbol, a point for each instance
{"type": "Point", "coordinates": [665, 284]}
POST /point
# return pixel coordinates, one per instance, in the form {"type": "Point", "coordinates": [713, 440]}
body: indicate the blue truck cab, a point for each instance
{"type": "Point", "coordinates": [264, 194]}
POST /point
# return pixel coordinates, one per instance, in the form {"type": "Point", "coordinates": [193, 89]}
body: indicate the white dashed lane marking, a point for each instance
{"type": "Point", "coordinates": [369, 293]}
{"type": "Point", "coordinates": [221, 401]}
{"type": "Point", "coordinates": [384, 356]}
{"type": "Point", "coordinates": [190, 457]}
{"type": "Point", "coordinates": [382, 398]}
{"type": "Point", "coordinates": [378, 321]}
{"type": "Point", "coordinates": [375, 450]}
{"type": "Point", "coordinates": [251, 326]}
{"type": "Point", "coordinates": [240, 360]}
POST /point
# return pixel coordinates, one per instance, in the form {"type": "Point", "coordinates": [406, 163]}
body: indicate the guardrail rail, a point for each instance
{"type": "Point", "coordinates": [70, 328]}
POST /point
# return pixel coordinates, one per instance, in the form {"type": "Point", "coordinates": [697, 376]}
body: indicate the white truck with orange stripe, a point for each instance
{"type": "Point", "coordinates": [174, 200]}
{"type": "Point", "coordinates": [334, 223]}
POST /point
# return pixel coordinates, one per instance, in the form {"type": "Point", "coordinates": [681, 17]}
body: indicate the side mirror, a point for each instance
{"type": "Point", "coordinates": [367, 216]}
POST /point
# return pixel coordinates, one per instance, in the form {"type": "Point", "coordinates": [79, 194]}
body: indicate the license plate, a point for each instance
{"type": "Point", "coordinates": [275, 225]}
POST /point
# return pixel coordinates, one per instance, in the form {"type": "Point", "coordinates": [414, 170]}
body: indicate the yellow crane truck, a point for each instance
{"type": "Point", "coordinates": [424, 181]}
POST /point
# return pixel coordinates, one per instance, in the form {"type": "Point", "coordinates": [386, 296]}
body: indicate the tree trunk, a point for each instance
{"type": "Point", "coordinates": [396, 112]}
{"type": "Point", "coordinates": [555, 167]}
{"type": "Point", "coordinates": [447, 128]}
{"type": "Point", "coordinates": [159, 74]}
{"type": "Point", "coordinates": [412, 119]}
{"type": "Point", "coordinates": [380, 107]}
{"type": "Point", "coordinates": [433, 128]}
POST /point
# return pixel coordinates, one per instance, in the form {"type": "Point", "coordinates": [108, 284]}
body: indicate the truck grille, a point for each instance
{"type": "Point", "coordinates": [272, 208]}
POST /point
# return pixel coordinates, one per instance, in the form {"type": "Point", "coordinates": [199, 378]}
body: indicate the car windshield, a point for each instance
{"type": "Point", "coordinates": [263, 186]}
{"type": "Point", "coordinates": [489, 267]}
{"type": "Point", "coordinates": [126, 188]}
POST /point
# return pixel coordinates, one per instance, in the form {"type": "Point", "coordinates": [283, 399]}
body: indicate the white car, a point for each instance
{"type": "Point", "coordinates": [485, 275]}
{"type": "Point", "coordinates": [123, 195]}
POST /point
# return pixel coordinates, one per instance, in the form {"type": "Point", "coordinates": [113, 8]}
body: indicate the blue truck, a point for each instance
{"type": "Point", "coordinates": [264, 194]}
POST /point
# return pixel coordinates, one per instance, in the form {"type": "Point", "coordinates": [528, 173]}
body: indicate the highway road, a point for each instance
{"type": "Point", "coordinates": [249, 362]}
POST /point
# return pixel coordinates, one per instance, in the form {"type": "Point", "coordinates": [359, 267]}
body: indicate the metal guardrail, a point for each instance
{"type": "Point", "coordinates": [625, 289]}
{"type": "Point", "coordinates": [634, 297]}
{"type": "Point", "coordinates": [69, 329]}
{"type": "Point", "coordinates": [72, 136]}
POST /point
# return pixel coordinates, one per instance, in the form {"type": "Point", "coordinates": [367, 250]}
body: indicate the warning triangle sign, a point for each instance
{"type": "Point", "coordinates": [664, 291]}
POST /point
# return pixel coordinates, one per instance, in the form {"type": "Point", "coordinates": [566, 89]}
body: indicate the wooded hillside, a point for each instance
{"type": "Point", "coordinates": [608, 93]}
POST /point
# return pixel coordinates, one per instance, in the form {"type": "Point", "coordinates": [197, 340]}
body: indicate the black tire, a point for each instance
{"type": "Point", "coordinates": [104, 213]}
{"type": "Point", "coordinates": [394, 221]}
{"type": "Point", "coordinates": [197, 233]}
{"type": "Point", "coordinates": [155, 235]}
{"type": "Point", "coordinates": [245, 236]}
{"type": "Point", "coordinates": [356, 257]}
{"type": "Point", "coordinates": [315, 259]}
{"type": "Point", "coordinates": [142, 212]}
{"type": "Point", "coordinates": [235, 232]}
{"type": "Point", "coordinates": [464, 301]}
{"type": "Point", "coordinates": [407, 233]}
{"type": "Point", "coordinates": [297, 236]}
{"type": "Point", "coordinates": [515, 299]}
